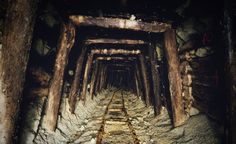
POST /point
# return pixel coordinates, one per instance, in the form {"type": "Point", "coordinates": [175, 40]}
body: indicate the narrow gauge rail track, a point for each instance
{"type": "Point", "coordinates": [116, 126]}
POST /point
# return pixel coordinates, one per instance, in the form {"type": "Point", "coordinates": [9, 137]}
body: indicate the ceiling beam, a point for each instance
{"type": "Point", "coordinates": [118, 23]}
{"type": "Point", "coordinates": [120, 65]}
{"type": "Point", "coordinates": [117, 46]}
{"type": "Point", "coordinates": [114, 58]}
{"type": "Point", "coordinates": [115, 41]}
{"type": "Point", "coordinates": [115, 51]}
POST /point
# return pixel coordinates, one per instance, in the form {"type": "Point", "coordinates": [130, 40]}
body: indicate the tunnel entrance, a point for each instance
{"type": "Point", "coordinates": [122, 78]}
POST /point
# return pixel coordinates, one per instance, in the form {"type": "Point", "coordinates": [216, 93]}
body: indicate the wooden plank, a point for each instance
{"type": "Point", "coordinates": [76, 82]}
{"type": "Point", "coordinates": [137, 85]}
{"type": "Point", "coordinates": [116, 46]}
{"type": "Point", "coordinates": [140, 81]}
{"type": "Point", "coordinates": [114, 41]}
{"type": "Point", "coordinates": [115, 58]}
{"type": "Point", "coordinates": [66, 41]}
{"type": "Point", "coordinates": [115, 51]}
{"type": "Point", "coordinates": [118, 23]}
{"type": "Point", "coordinates": [14, 54]}
{"type": "Point", "coordinates": [145, 79]}
{"type": "Point", "coordinates": [179, 116]}
{"type": "Point", "coordinates": [93, 79]}
{"type": "Point", "coordinates": [105, 78]}
{"type": "Point", "coordinates": [155, 80]}
{"type": "Point", "coordinates": [102, 77]}
{"type": "Point", "coordinates": [86, 76]}
{"type": "Point", "coordinates": [98, 77]}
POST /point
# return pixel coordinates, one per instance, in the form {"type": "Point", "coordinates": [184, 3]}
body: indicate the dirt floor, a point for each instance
{"type": "Point", "coordinates": [120, 117]}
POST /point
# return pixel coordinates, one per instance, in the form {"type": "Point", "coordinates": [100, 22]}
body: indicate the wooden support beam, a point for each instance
{"type": "Point", "coordinates": [145, 79]}
{"type": "Point", "coordinates": [115, 51]}
{"type": "Point", "coordinates": [116, 46]}
{"type": "Point", "coordinates": [155, 80]}
{"type": "Point", "coordinates": [125, 68]}
{"type": "Point", "coordinates": [119, 70]}
{"type": "Point", "coordinates": [179, 116]}
{"type": "Point", "coordinates": [98, 77]}
{"type": "Point", "coordinates": [118, 23]}
{"type": "Point", "coordinates": [102, 77]}
{"type": "Point", "coordinates": [139, 79]}
{"type": "Point", "coordinates": [14, 54]}
{"type": "Point", "coordinates": [105, 78]}
{"type": "Point", "coordinates": [120, 65]}
{"type": "Point", "coordinates": [76, 82]}
{"type": "Point", "coordinates": [115, 41]}
{"type": "Point", "coordinates": [65, 44]}
{"type": "Point", "coordinates": [93, 79]}
{"type": "Point", "coordinates": [86, 76]}
{"type": "Point", "coordinates": [115, 58]}
{"type": "Point", "coordinates": [137, 84]}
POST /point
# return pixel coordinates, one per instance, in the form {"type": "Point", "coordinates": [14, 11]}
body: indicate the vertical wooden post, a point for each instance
{"type": "Point", "coordinates": [137, 84]}
{"type": "Point", "coordinates": [86, 75]}
{"type": "Point", "coordinates": [106, 78]}
{"type": "Point", "coordinates": [76, 82]}
{"type": "Point", "coordinates": [101, 78]}
{"type": "Point", "coordinates": [140, 82]}
{"type": "Point", "coordinates": [93, 79]}
{"type": "Point", "coordinates": [98, 77]}
{"type": "Point", "coordinates": [179, 116]}
{"type": "Point", "coordinates": [145, 79]}
{"type": "Point", "coordinates": [14, 54]}
{"type": "Point", "coordinates": [155, 80]}
{"type": "Point", "coordinates": [66, 41]}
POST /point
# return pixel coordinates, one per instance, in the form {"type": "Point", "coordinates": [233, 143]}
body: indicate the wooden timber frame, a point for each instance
{"type": "Point", "coordinates": [98, 79]}
{"type": "Point", "coordinates": [137, 86]}
{"type": "Point", "coordinates": [139, 79]}
{"type": "Point", "coordinates": [90, 61]}
{"type": "Point", "coordinates": [67, 40]}
{"type": "Point", "coordinates": [155, 80]}
{"type": "Point", "coordinates": [115, 41]}
{"type": "Point", "coordinates": [175, 81]}
{"type": "Point", "coordinates": [127, 24]}
{"type": "Point", "coordinates": [93, 79]}
{"type": "Point", "coordinates": [73, 92]}
{"type": "Point", "coordinates": [146, 81]}
{"type": "Point", "coordinates": [18, 26]}
{"type": "Point", "coordinates": [76, 82]}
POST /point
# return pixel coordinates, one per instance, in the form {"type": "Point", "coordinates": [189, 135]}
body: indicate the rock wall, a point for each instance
{"type": "Point", "coordinates": [230, 38]}
{"type": "Point", "coordinates": [39, 72]}
{"type": "Point", "coordinates": [200, 76]}
{"type": "Point", "coordinates": [34, 103]}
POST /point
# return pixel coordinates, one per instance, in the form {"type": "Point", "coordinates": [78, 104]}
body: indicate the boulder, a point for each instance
{"type": "Point", "coordinates": [203, 52]}
{"type": "Point", "coordinates": [194, 111]}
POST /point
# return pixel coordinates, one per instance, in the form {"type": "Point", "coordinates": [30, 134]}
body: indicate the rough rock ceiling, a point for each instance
{"type": "Point", "coordinates": [161, 10]}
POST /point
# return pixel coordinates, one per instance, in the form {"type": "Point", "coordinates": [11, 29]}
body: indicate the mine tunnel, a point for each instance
{"type": "Point", "coordinates": [122, 72]}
